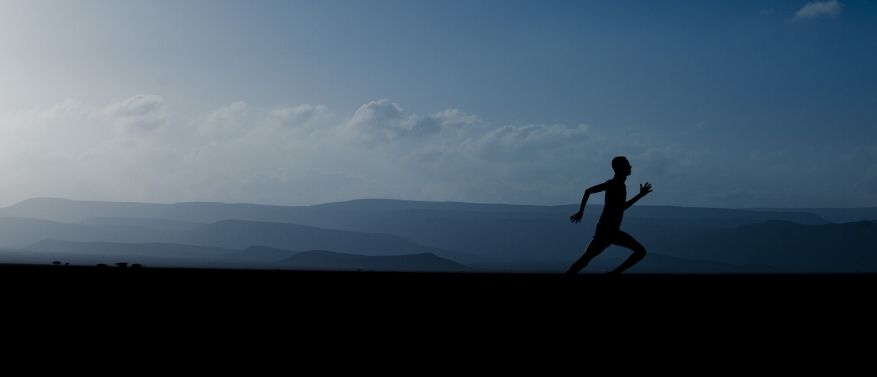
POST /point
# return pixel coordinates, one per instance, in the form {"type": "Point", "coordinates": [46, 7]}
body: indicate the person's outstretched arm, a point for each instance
{"type": "Point", "coordinates": [643, 190]}
{"type": "Point", "coordinates": [577, 217]}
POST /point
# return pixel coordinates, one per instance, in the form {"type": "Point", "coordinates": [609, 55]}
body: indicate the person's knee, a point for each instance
{"type": "Point", "coordinates": [639, 252]}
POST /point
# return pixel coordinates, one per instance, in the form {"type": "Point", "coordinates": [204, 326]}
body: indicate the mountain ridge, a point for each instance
{"type": "Point", "coordinates": [479, 235]}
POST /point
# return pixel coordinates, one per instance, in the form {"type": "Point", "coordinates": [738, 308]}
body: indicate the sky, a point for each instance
{"type": "Point", "coordinates": [718, 104]}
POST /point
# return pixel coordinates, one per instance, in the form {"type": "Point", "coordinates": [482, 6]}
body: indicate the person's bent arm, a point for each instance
{"type": "Point", "coordinates": [643, 190]}
{"type": "Point", "coordinates": [577, 217]}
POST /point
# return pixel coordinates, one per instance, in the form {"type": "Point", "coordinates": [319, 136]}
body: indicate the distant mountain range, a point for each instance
{"type": "Point", "coordinates": [17, 232]}
{"type": "Point", "coordinates": [790, 247]}
{"type": "Point", "coordinates": [480, 236]}
{"type": "Point", "coordinates": [260, 257]}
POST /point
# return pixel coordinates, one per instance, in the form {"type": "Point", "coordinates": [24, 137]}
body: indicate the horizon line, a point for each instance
{"type": "Point", "coordinates": [413, 201]}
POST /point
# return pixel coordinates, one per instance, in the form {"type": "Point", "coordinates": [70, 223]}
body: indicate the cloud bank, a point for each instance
{"type": "Point", "coordinates": [818, 9]}
{"type": "Point", "coordinates": [136, 149]}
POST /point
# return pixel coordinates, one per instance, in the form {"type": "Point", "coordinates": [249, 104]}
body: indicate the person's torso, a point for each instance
{"type": "Point", "coordinates": [613, 209]}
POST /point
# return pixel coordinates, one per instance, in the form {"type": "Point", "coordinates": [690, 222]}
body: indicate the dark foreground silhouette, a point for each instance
{"type": "Point", "coordinates": [609, 227]}
{"type": "Point", "coordinates": [321, 307]}
{"type": "Point", "coordinates": [448, 290]}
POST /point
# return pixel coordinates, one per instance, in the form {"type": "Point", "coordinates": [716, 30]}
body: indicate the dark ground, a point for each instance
{"type": "Point", "coordinates": [437, 316]}
{"type": "Point", "coordinates": [386, 291]}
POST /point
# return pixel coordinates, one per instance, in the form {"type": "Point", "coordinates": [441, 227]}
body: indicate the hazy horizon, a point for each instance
{"type": "Point", "coordinates": [595, 201]}
{"type": "Point", "coordinates": [748, 104]}
{"type": "Point", "coordinates": [433, 236]}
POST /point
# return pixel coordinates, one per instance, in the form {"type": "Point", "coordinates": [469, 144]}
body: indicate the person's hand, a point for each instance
{"type": "Point", "coordinates": [576, 217]}
{"type": "Point", "coordinates": [643, 190]}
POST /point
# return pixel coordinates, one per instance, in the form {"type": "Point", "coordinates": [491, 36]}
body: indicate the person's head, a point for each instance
{"type": "Point", "coordinates": [621, 166]}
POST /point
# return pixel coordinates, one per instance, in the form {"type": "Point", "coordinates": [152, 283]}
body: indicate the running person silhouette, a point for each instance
{"type": "Point", "coordinates": [609, 227]}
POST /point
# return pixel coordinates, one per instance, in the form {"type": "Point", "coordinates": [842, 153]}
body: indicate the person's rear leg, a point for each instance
{"type": "Point", "coordinates": [594, 248]}
{"type": "Point", "coordinates": [639, 251]}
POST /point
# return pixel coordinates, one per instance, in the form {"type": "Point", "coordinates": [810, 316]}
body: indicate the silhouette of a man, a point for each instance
{"type": "Point", "coordinates": [609, 227]}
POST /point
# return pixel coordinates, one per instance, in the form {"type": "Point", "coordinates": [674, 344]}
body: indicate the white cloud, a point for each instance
{"type": "Point", "coordinates": [68, 107]}
{"type": "Point", "coordinates": [303, 154]}
{"type": "Point", "coordinates": [525, 142]}
{"type": "Point", "coordinates": [293, 154]}
{"type": "Point", "coordinates": [230, 121]}
{"type": "Point", "coordinates": [455, 118]}
{"type": "Point", "coordinates": [378, 121]}
{"type": "Point", "coordinates": [817, 9]}
{"type": "Point", "coordinates": [142, 112]}
{"type": "Point", "coordinates": [383, 121]}
{"type": "Point", "coordinates": [296, 116]}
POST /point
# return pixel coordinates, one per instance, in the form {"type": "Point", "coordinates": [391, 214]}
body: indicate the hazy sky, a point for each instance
{"type": "Point", "coordinates": [723, 104]}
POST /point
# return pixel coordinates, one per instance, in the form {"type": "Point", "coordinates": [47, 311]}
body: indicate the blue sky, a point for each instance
{"type": "Point", "coordinates": [722, 104]}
